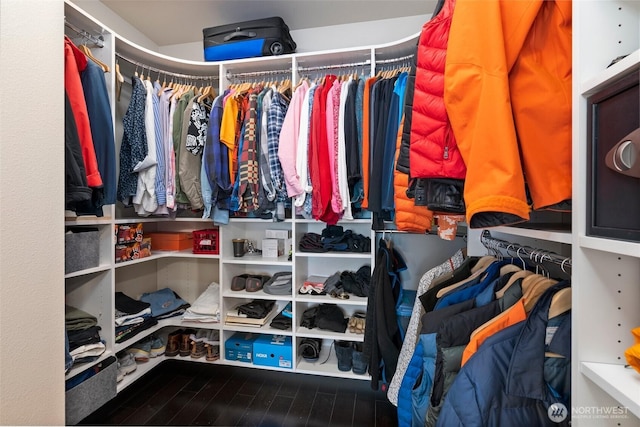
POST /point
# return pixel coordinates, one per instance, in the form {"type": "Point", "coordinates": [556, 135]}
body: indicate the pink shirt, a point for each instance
{"type": "Point", "coordinates": [287, 148]}
{"type": "Point", "coordinates": [333, 113]}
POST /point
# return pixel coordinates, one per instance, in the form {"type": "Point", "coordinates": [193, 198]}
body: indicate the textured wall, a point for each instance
{"type": "Point", "coordinates": [31, 213]}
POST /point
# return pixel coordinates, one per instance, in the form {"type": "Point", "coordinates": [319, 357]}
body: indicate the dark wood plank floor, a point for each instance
{"type": "Point", "coordinates": [183, 393]}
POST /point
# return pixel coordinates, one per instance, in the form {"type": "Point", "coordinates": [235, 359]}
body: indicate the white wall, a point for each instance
{"type": "Point", "coordinates": [31, 206]}
{"type": "Point", "coordinates": [115, 22]}
{"type": "Point", "coordinates": [326, 38]}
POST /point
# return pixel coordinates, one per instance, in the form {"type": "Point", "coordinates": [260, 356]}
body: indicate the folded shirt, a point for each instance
{"type": "Point", "coordinates": [124, 319]}
{"type": "Point", "coordinates": [163, 301]}
{"type": "Point", "coordinates": [76, 319]}
{"type": "Point", "coordinates": [208, 302]}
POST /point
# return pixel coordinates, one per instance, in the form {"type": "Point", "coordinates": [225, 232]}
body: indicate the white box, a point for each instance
{"type": "Point", "coordinates": [277, 234]}
{"type": "Point", "coordinates": [272, 248]}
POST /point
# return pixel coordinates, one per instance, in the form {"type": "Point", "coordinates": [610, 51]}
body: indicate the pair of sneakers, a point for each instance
{"type": "Point", "coordinates": [149, 347]}
{"type": "Point", "coordinates": [126, 365]}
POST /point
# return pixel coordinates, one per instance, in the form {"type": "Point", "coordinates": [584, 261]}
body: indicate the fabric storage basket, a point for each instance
{"type": "Point", "coordinates": [92, 393]}
{"type": "Point", "coordinates": [81, 249]}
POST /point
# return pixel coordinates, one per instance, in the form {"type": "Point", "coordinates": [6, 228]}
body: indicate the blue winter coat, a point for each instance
{"type": "Point", "coordinates": [510, 382]}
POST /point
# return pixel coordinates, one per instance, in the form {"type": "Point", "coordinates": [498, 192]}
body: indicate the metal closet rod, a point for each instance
{"type": "Point", "coordinates": [97, 40]}
{"type": "Point", "coordinates": [167, 73]}
{"type": "Point", "coordinates": [392, 60]}
{"type": "Point", "coordinates": [335, 66]}
{"type": "Point", "coordinates": [522, 251]}
{"type": "Point", "coordinates": [235, 76]}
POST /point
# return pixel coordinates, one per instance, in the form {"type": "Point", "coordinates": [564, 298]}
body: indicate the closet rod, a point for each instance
{"type": "Point", "coordinates": [168, 73]}
{"type": "Point", "coordinates": [238, 76]}
{"type": "Point", "coordinates": [334, 66]}
{"type": "Point", "coordinates": [96, 40]}
{"type": "Point", "coordinates": [392, 60]}
{"type": "Point", "coordinates": [525, 252]}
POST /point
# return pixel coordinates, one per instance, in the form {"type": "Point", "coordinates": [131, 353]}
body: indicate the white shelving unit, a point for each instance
{"type": "Point", "coordinates": [188, 274]}
{"type": "Point", "coordinates": [606, 272]}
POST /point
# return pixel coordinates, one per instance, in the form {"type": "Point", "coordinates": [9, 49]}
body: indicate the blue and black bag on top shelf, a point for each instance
{"type": "Point", "coordinates": [258, 37]}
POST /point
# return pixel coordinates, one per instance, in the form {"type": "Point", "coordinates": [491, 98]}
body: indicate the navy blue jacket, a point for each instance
{"type": "Point", "coordinates": [509, 382]}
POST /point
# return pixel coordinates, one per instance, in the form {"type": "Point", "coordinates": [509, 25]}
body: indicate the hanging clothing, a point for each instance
{"type": "Point", "coordinates": [102, 130]}
{"type": "Point", "coordinates": [75, 62]}
{"type": "Point", "coordinates": [288, 146]}
{"type": "Point", "coordinates": [133, 148]}
{"type": "Point", "coordinates": [275, 119]}
{"type": "Point", "coordinates": [508, 96]}
{"type": "Point", "coordinates": [521, 383]}
{"type": "Point", "coordinates": [178, 141]}
{"type": "Point", "coordinates": [76, 189]}
{"type": "Point", "coordinates": [248, 171]}
{"type": "Point", "coordinates": [145, 201]}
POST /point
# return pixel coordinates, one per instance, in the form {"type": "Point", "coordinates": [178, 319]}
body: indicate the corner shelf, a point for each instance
{"type": "Point", "coordinates": [623, 384]}
{"type": "Point", "coordinates": [628, 65]}
{"type": "Point", "coordinates": [620, 247]}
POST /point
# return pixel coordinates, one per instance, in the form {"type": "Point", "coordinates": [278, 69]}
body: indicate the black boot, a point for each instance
{"type": "Point", "coordinates": [358, 360]}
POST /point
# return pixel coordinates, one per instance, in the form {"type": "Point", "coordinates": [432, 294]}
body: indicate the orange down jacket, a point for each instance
{"type": "Point", "coordinates": [408, 216]}
{"type": "Point", "coordinates": [508, 96]}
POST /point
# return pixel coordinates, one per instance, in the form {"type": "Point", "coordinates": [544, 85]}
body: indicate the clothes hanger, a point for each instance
{"type": "Point", "coordinates": [534, 290]}
{"type": "Point", "coordinates": [483, 263]}
{"type": "Point", "coordinates": [518, 275]}
{"type": "Point", "coordinates": [509, 268]}
{"type": "Point", "coordinates": [456, 285]}
{"type": "Point", "coordinates": [560, 303]}
{"type": "Point", "coordinates": [119, 81]}
{"type": "Point", "coordinates": [89, 54]}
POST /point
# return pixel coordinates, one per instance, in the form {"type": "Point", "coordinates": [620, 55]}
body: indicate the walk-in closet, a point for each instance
{"type": "Point", "coordinates": [463, 248]}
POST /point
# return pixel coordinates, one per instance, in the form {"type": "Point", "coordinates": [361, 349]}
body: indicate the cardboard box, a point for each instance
{"type": "Point", "coordinates": [171, 241]}
{"type": "Point", "coordinates": [128, 233]}
{"type": "Point", "coordinates": [131, 251]}
{"type": "Point", "coordinates": [273, 350]}
{"type": "Point", "coordinates": [240, 346]}
{"type": "Point", "coordinates": [277, 234]}
{"type": "Point", "coordinates": [272, 248]}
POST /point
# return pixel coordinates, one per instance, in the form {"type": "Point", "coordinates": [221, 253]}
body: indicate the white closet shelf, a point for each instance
{"type": "Point", "coordinates": [266, 329]}
{"type": "Point", "coordinates": [243, 294]}
{"type": "Point", "coordinates": [98, 269]}
{"type": "Point", "coordinates": [187, 253]}
{"type": "Point", "coordinates": [302, 332]}
{"type": "Point", "coordinates": [86, 220]}
{"type": "Point", "coordinates": [259, 221]}
{"type": "Point", "coordinates": [623, 384]}
{"type": "Point", "coordinates": [342, 222]}
{"type": "Point", "coordinates": [258, 260]}
{"type": "Point", "coordinates": [620, 247]}
{"type": "Point", "coordinates": [335, 254]}
{"type": "Point", "coordinates": [163, 219]}
{"type": "Point", "coordinates": [559, 236]}
{"type": "Point", "coordinates": [326, 299]}
{"type": "Point", "coordinates": [261, 367]}
{"type": "Point", "coordinates": [628, 65]}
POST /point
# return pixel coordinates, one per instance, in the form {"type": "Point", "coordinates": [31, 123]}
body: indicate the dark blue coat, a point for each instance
{"type": "Point", "coordinates": [510, 382]}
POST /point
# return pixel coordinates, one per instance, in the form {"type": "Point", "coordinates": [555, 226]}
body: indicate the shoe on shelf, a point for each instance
{"type": "Point", "coordinates": [173, 343]}
{"type": "Point", "coordinates": [199, 336]}
{"type": "Point", "coordinates": [344, 352]}
{"type": "Point", "coordinates": [213, 352]}
{"type": "Point", "coordinates": [198, 349]}
{"type": "Point", "coordinates": [157, 346]}
{"type": "Point", "coordinates": [358, 361]}
{"type": "Point", "coordinates": [213, 336]}
{"type": "Point", "coordinates": [126, 365]}
{"type": "Point", "coordinates": [141, 351]}
{"type": "Point", "coordinates": [185, 342]}
{"type": "Point", "coordinates": [119, 374]}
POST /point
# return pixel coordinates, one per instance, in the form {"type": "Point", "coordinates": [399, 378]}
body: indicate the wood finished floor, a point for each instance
{"type": "Point", "coordinates": [183, 393]}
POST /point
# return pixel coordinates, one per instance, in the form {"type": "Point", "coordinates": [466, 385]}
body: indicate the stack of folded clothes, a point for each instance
{"type": "Point", "coordinates": [132, 317]}
{"type": "Point", "coordinates": [83, 335]}
{"type": "Point", "coordinates": [206, 307]}
{"type": "Point", "coordinates": [334, 238]}
{"type": "Point", "coordinates": [339, 284]}
{"type": "Point", "coordinates": [254, 313]}
{"type": "Point", "coordinates": [165, 303]}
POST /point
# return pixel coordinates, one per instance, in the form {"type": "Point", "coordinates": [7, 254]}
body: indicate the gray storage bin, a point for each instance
{"type": "Point", "coordinates": [81, 249]}
{"type": "Point", "coordinates": [92, 393]}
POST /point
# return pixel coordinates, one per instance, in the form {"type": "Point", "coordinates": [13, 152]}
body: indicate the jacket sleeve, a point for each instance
{"type": "Point", "coordinates": [484, 42]}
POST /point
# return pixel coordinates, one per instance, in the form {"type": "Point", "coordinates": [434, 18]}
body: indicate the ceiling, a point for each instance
{"type": "Point", "coordinates": [168, 22]}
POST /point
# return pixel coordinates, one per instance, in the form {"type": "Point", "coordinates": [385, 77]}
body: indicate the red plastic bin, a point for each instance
{"type": "Point", "coordinates": [206, 241]}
